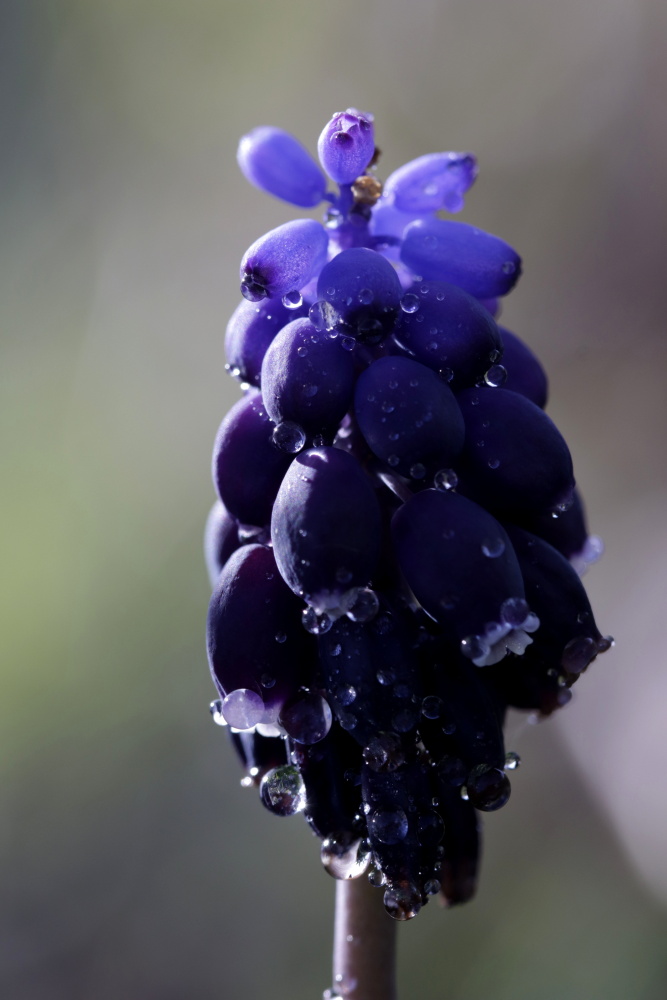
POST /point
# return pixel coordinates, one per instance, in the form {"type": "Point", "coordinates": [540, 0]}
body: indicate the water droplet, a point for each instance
{"type": "Point", "coordinates": [493, 463]}
{"type": "Point", "coordinates": [280, 637]}
{"type": "Point", "coordinates": [335, 649]}
{"type": "Point", "coordinates": [578, 653]}
{"type": "Point", "coordinates": [488, 788]}
{"type": "Point", "coordinates": [376, 878]}
{"type": "Point", "coordinates": [432, 707]}
{"type": "Point", "coordinates": [494, 356]}
{"type": "Point", "coordinates": [366, 296]}
{"type": "Point", "coordinates": [445, 479]}
{"type": "Point", "coordinates": [512, 761]}
{"type": "Point", "coordinates": [495, 376]}
{"type": "Point", "coordinates": [314, 623]}
{"type": "Point", "coordinates": [309, 390]}
{"type": "Point", "coordinates": [289, 437]}
{"type": "Point", "coordinates": [446, 373]}
{"type": "Point", "coordinates": [348, 343]}
{"type": "Point", "coordinates": [509, 267]}
{"type": "Point", "coordinates": [306, 718]}
{"type": "Point", "coordinates": [514, 611]}
{"type": "Point", "coordinates": [389, 826]}
{"type": "Point", "coordinates": [393, 461]}
{"type": "Point", "coordinates": [410, 303]}
{"type": "Point", "coordinates": [215, 708]}
{"type": "Point", "coordinates": [345, 694]}
{"type": "Point", "coordinates": [492, 548]}
{"type": "Point", "coordinates": [432, 887]}
{"type": "Point", "coordinates": [418, 471]}
{"type": "Point", "coordinates": [302, 351]}
{"type": "Point", "coordinates": [344, 856]}
{"type": "Point", "coordinates": [243, 708]}
{"type": "Point", "coordinates": [292, 300]}
{"type": "Point", "coordinates": [283, 791]}
{"type": "Point", "coordinates": [384, 753]}
{"type": "Point", "coordinates": [403, 902]}
{"type": "Point", "coordinates": [365, 606]}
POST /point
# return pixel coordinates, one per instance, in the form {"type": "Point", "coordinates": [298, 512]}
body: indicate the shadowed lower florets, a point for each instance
{"type": "Point", "coordinates": [393, 548]}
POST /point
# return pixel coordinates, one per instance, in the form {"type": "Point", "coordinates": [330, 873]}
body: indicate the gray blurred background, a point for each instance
{"type": "Point", "coordinates": [134, 865]}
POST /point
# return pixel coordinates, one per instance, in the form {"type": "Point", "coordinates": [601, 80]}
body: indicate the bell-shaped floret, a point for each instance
{"type": "Point", "coordinates": [459, 563]}
{"type": "Point", "coordinates": [247, 466]}
{"type": "Point", "coordinates": [358, 293]}
{"type": "Point", "coordinates": [514, 458]}
{"type": "Point", "coordinates": [432, 182]}
{"type": "Point", "coordinates": [276, 162]}
{"type": "Point", "coordinates": [221, 538]}
{"type": "Point", "coordinates": [307, 378]}
{"type": "Point", "coordinates": [333, 801]}
{"type": "Point", "coordinates": [462, 846]}
{"type": "Point", "coordinates": [326, 528]}
{"type": "Point", "coordinates": [346, 145]}
{"type": "Point", "coordinates": [283, 260]}
{"type": "Point", "coordinates": [250, 330]}
{"type": "Point", "coordinates": [448, 330]}
{"type": "Point", "coordinates": [568, 533]}
{"type": "Point", "coordinates": [258, 651]}
{"type": "Point", "coordinates": [370, 669]}
{"type": "Point", "coordinates": [525, 374]}
{"type": "Point", "coordinates": [441, 250]}
{"type": "Point", "coordinates": [408, 416]}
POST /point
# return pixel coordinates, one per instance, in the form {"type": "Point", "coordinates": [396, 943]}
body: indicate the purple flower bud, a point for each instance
{"type": "Point", "coordinates": [284, 259]}
{"type": "Point", "coordinates": [525, 374]}
{"type": "Point", "coordinates": [432, 182]}
{"type": "Point", "coordinates": [346, 145]}
{"type": "Point", "coordinates": [221, 538]}
{"type": "Point", "coordinates": [252, 327]}
{"type": "Point", "coordinates": [440, 250]}
{"type": "Point", "coordinates": [276, 162]}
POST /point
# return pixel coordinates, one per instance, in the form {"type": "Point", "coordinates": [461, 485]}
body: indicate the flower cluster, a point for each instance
{"type": "Point", "coordinates": [395, 546]}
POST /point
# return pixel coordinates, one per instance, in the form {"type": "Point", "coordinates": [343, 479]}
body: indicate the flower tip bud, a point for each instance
{"type": "Point", "coordinates": [346, 145]}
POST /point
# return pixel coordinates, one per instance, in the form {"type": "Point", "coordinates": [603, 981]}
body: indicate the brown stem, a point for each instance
{"type": "Point", "coordinates": [364, 954]}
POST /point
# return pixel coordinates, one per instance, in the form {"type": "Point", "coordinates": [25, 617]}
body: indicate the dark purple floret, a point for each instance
{"type": "Point", "coordinates": [326, 527]}
{"type": "Point", "coordinates": [515, 461]}
{"type": "Point", "coordinates": [250, 330]}
{"type": "Point", "coordinates": [258, 651]}
{"type": "Point", "coordinates": [409, 417]}
{"type": "Point", "coordinates": [358, 293]}
{"type": "Point", "coordinates": [221, 538]}
{"type": "Point", "coordinates": [448, 330]}
{"type": "Point", "coordinates": [525, 374]}
{"type": "Point", "coordinates": [247, 466]}
{"type": "Point", "coordinates": [307, 378]}
{"type": "Point", "coordinates": [481, 264]}
{"type": "Point", "coordinates": [459, 564]}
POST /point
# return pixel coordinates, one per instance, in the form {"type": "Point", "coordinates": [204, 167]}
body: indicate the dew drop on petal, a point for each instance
{"type": "Point", "coordinates": [306, 718]}
{"type": "Point", "coordinates": [289, 437]}
{"type": "Point", "coordinates": [365, 606]}
{"type": "Point", "coordinates": [403, 902]}
{"type": "Point", "coordinates": [512, 761]}
{"type": "Point", "coordinates": [292, 300]}
{"type": "Point", "coordinates": [492, 548]}
{"type": "Point", "coordinates": [344, 856]}
{"type": "Point", "coordinates": [445, 479]}
{"type": "Point", "coordinates": [495, 376]}
{"type": "Point", "coordinates": [410, 303]}
{"type": "Point", "coordinates": [243, 709]}
{"type": "Point", "coordinates": [283, 791]}
{"type": "Point", "coordinates": [389, 826]}
{"type": "Point", "coordinates": [314, 623]}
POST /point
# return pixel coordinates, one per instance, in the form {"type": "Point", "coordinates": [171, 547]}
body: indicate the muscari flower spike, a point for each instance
{"type": "Point", "coordinates": [395, 545]}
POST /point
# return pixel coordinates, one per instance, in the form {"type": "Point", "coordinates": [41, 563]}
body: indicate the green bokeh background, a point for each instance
{"type": "Point", "coordinates": [133, 864]}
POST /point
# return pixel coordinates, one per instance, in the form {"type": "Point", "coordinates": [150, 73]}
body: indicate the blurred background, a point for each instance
{"type": "Point", "coordinates": [134, 865]}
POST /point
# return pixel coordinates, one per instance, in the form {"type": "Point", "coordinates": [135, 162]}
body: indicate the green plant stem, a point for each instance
{"type": "Point", "coordinates": [364, 953]}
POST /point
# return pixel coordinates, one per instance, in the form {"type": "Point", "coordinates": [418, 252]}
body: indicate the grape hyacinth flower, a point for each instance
{"type": "Point", "coordinates": [395, 548]}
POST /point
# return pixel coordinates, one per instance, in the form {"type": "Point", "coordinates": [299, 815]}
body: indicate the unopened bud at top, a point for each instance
{"type": "Point", "coordinates": [346, 145]}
